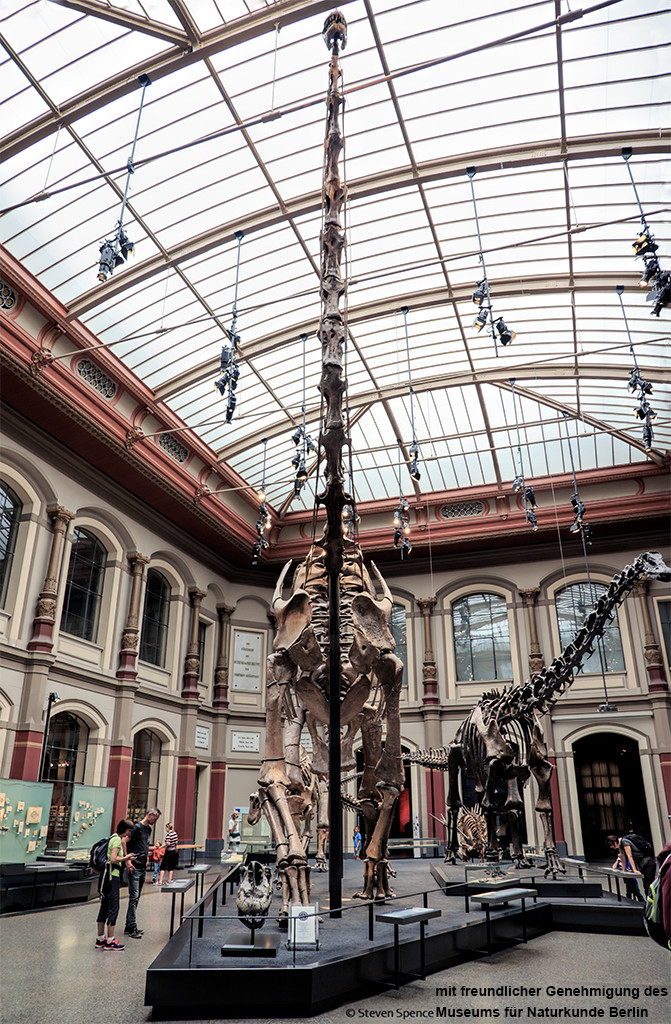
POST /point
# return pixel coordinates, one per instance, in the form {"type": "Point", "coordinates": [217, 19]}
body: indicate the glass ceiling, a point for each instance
{"type": "Point", "coordinates": [231, 139]}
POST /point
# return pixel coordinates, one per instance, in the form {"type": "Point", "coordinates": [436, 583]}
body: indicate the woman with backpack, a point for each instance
{"type": "Point", "coordinates": [109, 885]}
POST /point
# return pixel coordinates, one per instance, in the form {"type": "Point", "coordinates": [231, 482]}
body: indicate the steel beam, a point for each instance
{"type": "Point", "coordinates": [461, 379]}
{"type": "Point", "coordinates": [373, 184]}
{"type": "Point", "coordinates": [513, 287]}
{"type": "Point", "coordinates": [126, 19]}
{"type": "Point", "coordinates": [177, 57]}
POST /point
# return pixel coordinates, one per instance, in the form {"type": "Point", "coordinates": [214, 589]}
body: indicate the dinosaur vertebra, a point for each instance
{"type": "Point", "coordinates": [502, 741]}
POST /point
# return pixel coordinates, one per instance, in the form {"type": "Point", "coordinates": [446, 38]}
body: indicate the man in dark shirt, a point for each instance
{"type": "Point", "coordinates": [138, 844]}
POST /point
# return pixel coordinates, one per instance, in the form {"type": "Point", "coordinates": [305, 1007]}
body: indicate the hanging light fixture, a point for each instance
{"type": "Point", "coordinates": [639, 387]}
{"type": "Point", "coordinates": [481, 295]}
{"type": "Point", "coordinates": [401, 520]}
{"type": "Point", "coordinates": [658, 281]}
{"type": "Point", "coordinates": [116, 250]}
{"type": "Point", "coordinates": [302, 440]}
{"type": "Point", "coordinates": [228, 364]}
{"type": "Point", "coordinates": [519, 483]}
{"type": "Point", "coordinates": [414, 447]}
{"type": "Point", "coordinates": [264, 520]}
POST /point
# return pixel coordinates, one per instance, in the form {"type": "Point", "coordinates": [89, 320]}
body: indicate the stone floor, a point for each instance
{"type": "Point", "coordinates": [50, 971]}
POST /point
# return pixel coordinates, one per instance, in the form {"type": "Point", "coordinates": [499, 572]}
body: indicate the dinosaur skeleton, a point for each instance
{"type": "Point", "coordinates": [332, 634]}
{"type": "Point", "coordinates": [501, 741]}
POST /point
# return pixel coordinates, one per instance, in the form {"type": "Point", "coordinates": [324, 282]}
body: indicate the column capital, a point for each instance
{"type": "Point", "coordinates": [427, 604]}
{"type": "Point", "coordinates": [59, 514]}
{"type": "Point", "coordinates": [530, 594]}
{"type": "Point", "coordinates": [224, 611]}
{"type": "Point", "coordinates": [196, 595]}
{"type": "Point", "coordinates": [136, 559]}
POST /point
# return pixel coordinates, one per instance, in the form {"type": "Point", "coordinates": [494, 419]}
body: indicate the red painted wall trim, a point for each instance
{"type": "Point", "coordinates": [215, 817]}
{"type": "Point", "coordinates": [184, 797]}
{"type": "Point", "coordinates": [26, 755]}
{"type": "Point", "coordinates": [118, 776]}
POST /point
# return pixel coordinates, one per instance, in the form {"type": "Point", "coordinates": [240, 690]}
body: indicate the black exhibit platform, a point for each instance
{"type": "Point", "coordinates": [190, 979]}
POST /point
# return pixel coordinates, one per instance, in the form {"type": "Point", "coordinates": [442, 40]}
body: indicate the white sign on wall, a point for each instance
{"type": "Point", "coordinates": [247, 741]}
{"type": "Point", "coordinates": [247, 660]}
{"type": "Point", "coordinates": [202, 739]}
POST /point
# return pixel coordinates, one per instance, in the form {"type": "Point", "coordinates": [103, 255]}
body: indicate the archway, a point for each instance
{"type": "Point", "coordinates": [611, 795]}
{"type": "Point", "coordinates": [64, 765]}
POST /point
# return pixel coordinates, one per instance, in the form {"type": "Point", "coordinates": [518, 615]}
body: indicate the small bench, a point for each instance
{"type": "Point", "coordinates": [502, 899]}
{"type": "Point", "coordinates": [409, 915]}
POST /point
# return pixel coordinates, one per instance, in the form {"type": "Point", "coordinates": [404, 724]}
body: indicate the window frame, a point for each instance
{"type": "Point", "coordinates": [566, 636]}
{"type": "Point", "coordinates": [473, 678]}
{"type": "Point", "coordinates": [7, 562]}
{"type": "Point", "coordinates": [69, 586]}
{"type": "Point", "coordinates": [162, 624]}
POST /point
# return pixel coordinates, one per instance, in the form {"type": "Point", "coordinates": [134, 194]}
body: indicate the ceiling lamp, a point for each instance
{"type": "Point", "coordinates": [302, 440]}
{"type": "Point", "coordinates": [481, 295]}
{"type": "Point", "coordinates": [414, 448]}
{"type": "Point", "coordinates": [264, 521]}
{"type": "Point", "coordinates": [401, 520]}
{"type": "Point", "coordinates": [653, 277]}
{"type": "Point", "coordinates": [116, 250]}
{"type": "Point", "coordinates": [228, 364]}
{"type": "Point", "coordinates": [639, 387]}
{"type": "Point", "coordinates": [519, 483]}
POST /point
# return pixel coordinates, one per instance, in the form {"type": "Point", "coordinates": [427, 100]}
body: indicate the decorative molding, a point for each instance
{"type": "Point", "coordinates": [96, 378]}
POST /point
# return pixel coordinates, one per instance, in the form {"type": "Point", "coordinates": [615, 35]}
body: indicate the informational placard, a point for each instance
{"type": "Point", "coordinates": [246, 741]}
{"type": "Point", "coordinates": [304, 927]}
{"type": "Point", "coordinates": [247, 660]}
{"type": "Point", "coordinates": [202, 740]}
{"type": "Point", "coordinates": [90, 819]}
{"type": "Point", "coordinates": [24, 813]}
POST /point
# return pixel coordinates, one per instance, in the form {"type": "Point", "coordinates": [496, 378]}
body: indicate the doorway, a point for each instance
{"type": "Point", "coordinates": [611, 795]}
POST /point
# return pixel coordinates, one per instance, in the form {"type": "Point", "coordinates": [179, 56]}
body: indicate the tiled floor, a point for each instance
{"type": "Point", "coordinates": [50, 972]}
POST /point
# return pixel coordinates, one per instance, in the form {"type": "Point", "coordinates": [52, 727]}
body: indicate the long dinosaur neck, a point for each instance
{"type": "Point", "coordinates": [331, 327]}
{"type": "Point", "coordinates": [554, 680]}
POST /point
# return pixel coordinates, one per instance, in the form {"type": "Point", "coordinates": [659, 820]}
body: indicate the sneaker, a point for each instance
{"type": "Point", "coordinates": [134, 931]}
{"type": "Point", "coordinates": [134, 935]}
{"type": "Point", "coordinates": [101, 943]}
{"type": "Point", "coordinates": [115, 945]}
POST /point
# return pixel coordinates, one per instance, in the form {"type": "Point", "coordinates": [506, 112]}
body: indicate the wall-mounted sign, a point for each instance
{"type": "Point", "coordinates": [202, 739]}
{"type": "Point", "coordinates": [247, 660]}
{"type": "Point", "coordinates": [246, 741]}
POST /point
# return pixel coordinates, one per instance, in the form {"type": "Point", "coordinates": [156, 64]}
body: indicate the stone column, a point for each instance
{"type": "Point", "coordinates": [192, 660]}
{"type": "Point", "coordinates": [653, 654]}
{"type": "Point", "coordinates": [535, 654]}
{"type": "Point", "coordinates": [220, 699]}
{"type": "Point", "coordinates": [429, 677]}
{"type": "Point", "coordinates": [435, 781]}
{"type": "Point", "coordinates": [129, 638]}
{"type": "Point", "coordinates": [43, 623]}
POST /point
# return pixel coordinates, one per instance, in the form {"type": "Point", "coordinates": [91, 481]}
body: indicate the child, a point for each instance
{"type": "Point", "coordinates": [157, 857]}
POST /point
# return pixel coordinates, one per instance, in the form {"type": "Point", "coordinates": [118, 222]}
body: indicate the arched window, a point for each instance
{"type": "Point", "coordinates": [84, 587]}
{"type": "Point", "coordinates": [144, 774]}
{"type": "Point", "coordinates": [10, 513]}
{"type": "Point", "coordinates": [399, 631]}
{"type": "Point", "coordinates": [155, 619]}
{"type": "Point", "coordinates": [573, 603]}
{"type": "Point", "coordinates": [64, 765]}
{"type": "Point", "coordinates": [481, 638]}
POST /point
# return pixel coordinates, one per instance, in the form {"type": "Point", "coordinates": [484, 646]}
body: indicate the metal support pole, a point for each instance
{"type": "Point", "coordinates": [335, 816]}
